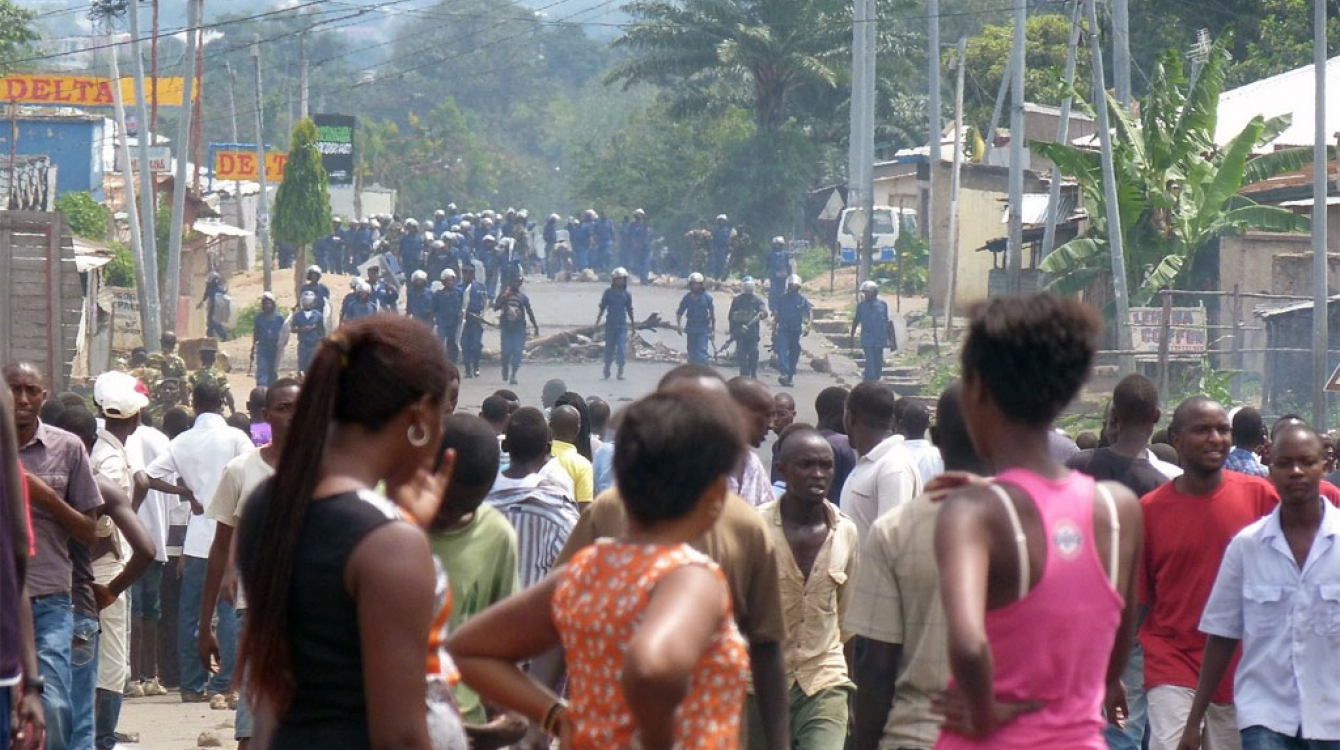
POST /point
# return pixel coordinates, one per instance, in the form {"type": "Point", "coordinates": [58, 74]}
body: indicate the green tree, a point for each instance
{"type": "Point", "coordinates": [1177, 191]}
{"type": "Point", "coordinates": [1282, 39]}
{"type": "Point", "coordinates": [988, 57]}
{"type": "Point", "coordinates": [302, 203]}
{"type": "Point", "coordinates": [87, 217]}
{"type": "Point", "coordinates": [757, 53]}
{"type": "Point", "coordinates": [16, 32]}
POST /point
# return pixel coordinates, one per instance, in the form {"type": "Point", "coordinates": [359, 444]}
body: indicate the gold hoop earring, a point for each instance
{"type": "Point", "coordinates": [417, 439]}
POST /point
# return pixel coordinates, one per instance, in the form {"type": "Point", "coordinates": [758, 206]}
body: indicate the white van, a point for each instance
{"type": "Point", "coordinates": [890, 223]}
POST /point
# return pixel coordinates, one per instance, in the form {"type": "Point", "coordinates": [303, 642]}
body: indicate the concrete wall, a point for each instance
{"type": "Point", "coordinates": [74, 145]}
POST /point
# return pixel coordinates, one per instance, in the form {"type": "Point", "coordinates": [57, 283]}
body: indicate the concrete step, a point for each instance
{"type": "Point", "coordinates": [832, 326]}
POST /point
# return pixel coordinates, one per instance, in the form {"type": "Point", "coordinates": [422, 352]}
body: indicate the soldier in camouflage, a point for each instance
{"type": "Point", "coordinates": [166, 361]}
{"type": "Point", "coordinates": [208, 372]}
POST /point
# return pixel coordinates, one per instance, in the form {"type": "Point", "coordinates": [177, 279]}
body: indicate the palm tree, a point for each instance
{"type": "Point", "coordinates": [758, 53]}
{"type": "Point", "coordinates": [1177, 191]}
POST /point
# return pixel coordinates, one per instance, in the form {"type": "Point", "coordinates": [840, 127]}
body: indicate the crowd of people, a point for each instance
{"type": "Point", "coordinates": [353, 561]}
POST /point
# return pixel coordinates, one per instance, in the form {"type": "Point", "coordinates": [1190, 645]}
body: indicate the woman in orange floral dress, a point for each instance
{"type": "Point", "coordinates": [654, 658]}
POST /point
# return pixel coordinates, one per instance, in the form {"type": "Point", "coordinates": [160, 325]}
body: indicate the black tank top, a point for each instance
{"type": "Point", "coordinates": [328, 709]}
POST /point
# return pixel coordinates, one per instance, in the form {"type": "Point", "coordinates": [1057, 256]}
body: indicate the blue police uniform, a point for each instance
{"type": "Point", "coordinates": [625, 244]}
{"type": "Point", "coordinates": [550, 236]}
{"type": "Point", "coordinates": [447, 318]}
{"type": "Point", "coordinates": [267, 330]}
{"type": "Point", "coordinates": [639, 241]}
{"type": "Point", "coordinates": [310, 325]}
{"type": "Point", "coordinates": [512, 306]}
{"type": "Point", "coordinates": [411, 252]}
{"type": "Point", "coordinates": [356, 308]}
{"type": "Point", "coordinates": [419, 303]}
{"type": "Point", "coordinates": [697, 312]}
{"type": "Point", "coordinates": [579, 237]}
{"type": "Point", "coordinates": [720, 249]}
{"type": "Point", "coordinates": [616, 303]}
{"type": "Point", "coordinates": [327, 250]}
{"type": "Point", "coordinates": [873, 318]}
{"type": "Point", "coordinates": [472, 328]}
{"type": "Point", "coordinates": [603, 231]}
{"type": "Point", "coordinates": [779, 268]}
{"type": "Point", "coordinates": [790, 311]}
{"type": "Point", "coordinates": [386, 295]}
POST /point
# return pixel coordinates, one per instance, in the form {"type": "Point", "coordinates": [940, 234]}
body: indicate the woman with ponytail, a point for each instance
{"type": "Point", "coordinates": [339, 580]}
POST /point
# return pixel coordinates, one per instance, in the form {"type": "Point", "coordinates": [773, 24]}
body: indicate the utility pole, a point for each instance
{"type": "Point", "coordinates": [933, 137]}
{"type": "Point", "coordinates": [1121, 52]}
{"type": "Point", "coordinates": [861, 149]}
{"type": "Point", "coordinates": [1126, 362]}
{"type": "Point", "coordinates": [183, 148]}
{"type": "Point", "coordinates": [198, 108]}
{"type": "Point", "coordinates": [1015, 259]}
{"type": "Point", "coordinates": [148, 201]}
{"type": "Point", "coordinates": [232, 113]}
{"type": "Point", "coordinates": [153, 67]}
{"type": "Point", "coordinates": [955, 184]}
{"type": "Point", "coordinates": [1321, 339]}
{"type": "Point", "coordinates": [1062, 134]}
{"type": "Point", "coordinates": [302, 73]}
{"type": "Point", "coordinates": [263, 200]}
{"type": "Point", "coordinates": [148, 321]}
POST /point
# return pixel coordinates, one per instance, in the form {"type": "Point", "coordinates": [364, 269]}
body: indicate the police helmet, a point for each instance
{"type": "Point", "coordinates": [639, 212]}
{"type": "Point", "coordinates": [619, 273]}
{"type": "Point", "coordinates": [869, 286]}
{"type": "Point", "coordinates": [696, 278]}
{"type": "Point", "coordinates": [448, 274]}
{"type": "Point", "coordinates": [793, 280]}
{"type": "Point", "coordinates": [313, 269]}
{"type": "Point", "coordinates": [419, 276]}
{"type": "Point", "coordinates": [779, 241]}
{"type": "Point", "coordinates": [722, 217]}
{"type": "Point", "coordinates": [747, 285]}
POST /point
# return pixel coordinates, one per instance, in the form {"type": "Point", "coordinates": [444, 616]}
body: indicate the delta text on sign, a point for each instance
{"type": "Point", "coordinates": [241, 165]}
{"type": "Point", "coordinates": [1186, 330]}
{"type": "Point", "coordinates": [84, 91]}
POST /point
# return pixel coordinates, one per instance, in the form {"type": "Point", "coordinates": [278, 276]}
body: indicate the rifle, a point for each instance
{"type": "Point", "coordinates": [481, 319]}
{"type": "Point", "coordinates": [735, 331]}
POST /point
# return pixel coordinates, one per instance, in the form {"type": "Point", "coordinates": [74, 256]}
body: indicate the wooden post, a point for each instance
{"type": "Point", "coordinates": [1235, 309]}
{"type": "Point", "coordinates": [1165, 333]}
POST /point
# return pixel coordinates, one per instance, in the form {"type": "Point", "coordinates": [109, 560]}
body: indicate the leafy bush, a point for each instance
{"type": "Point", "coordinates": [246, 320]}
{"type": "Point", "coordinates": [121, 270]}
{"type": "Point", "coordinates": [87, 217]}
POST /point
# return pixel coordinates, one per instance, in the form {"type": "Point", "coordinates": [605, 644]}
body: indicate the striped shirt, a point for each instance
{"type": "Point", "coordinates": [543, 515]}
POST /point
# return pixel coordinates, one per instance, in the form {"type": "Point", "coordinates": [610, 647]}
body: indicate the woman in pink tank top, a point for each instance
{"type": "Point", "coordinates": [1037, 569]}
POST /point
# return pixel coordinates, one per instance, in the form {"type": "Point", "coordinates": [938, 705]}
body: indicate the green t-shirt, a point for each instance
{"type": "Point", "coordinates": [481, 564]}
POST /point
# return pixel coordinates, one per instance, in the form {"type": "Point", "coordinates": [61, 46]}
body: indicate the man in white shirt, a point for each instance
{"type": "Point", "coordinates": [1278, 594]}
{"type": "Point", "coordinates": [912, 419]}
{"type": "Point", "coordinates": [240, 479]}
{"type": "Point", "coordinates": [144, 445]}
{"type": "Point", "coordinates": [197, 457]}
{"type": "Point", "coordinates": [886, 473]}
{"type": "Point", "coordinates": [753, 482]}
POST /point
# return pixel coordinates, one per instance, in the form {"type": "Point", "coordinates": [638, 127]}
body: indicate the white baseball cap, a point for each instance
{"type": "Point", "coordinates": [119, 394]}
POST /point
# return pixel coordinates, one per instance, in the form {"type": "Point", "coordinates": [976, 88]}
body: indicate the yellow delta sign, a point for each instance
{"type": "Point", "coordinates": [85, 91]}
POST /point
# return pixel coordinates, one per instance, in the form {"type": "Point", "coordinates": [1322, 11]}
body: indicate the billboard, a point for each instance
{"type": "Point", "coordinates": [235, 164]}
{"type": "Point", "coordinates": [84, 91]}
{"type": "Point", "coordinates": [160, 160]}
{"type": "Point", "coordinates": [1187, 335]}
{"type": "Point", "coordinates": [335, 141]}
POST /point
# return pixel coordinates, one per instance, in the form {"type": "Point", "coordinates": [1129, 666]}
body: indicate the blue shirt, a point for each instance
{"type": "Point", "coordinates": [1289, 623]}
{"type": "Point", "coordinates": [419, 303]}
{"type": "Point", "coordinates": [791, 309]}
{"type": "Point", "coordinates": [385, 295]}
{"type": "Point", "coordinates": [616, 303]}
{"type": "Point", "coordinates": [310, 326]}
{"type": "Point", "coordinates": [447, 306]}
{"type": "Point", "coordinates": [357, 308]}
{"type": "Point", "coordinates": [411, 246]}
{"type": "Point", "coordinates": [1244, 461]}
{"type": "Point", "coordinates": [699, 310]}
{"type": "Point", "coordinates": [873, 317]}
{"type": "Point", "coordinates": [580, 235]}
{"type": "Point", "coordinates": [639, 235]}
{"type": "Point", "coordinates": [476, 297]}
{"type": "Point", "coordinates": [602, 466]}
{"type": "Point", "coordinates": [267, 329]}
{"type": "Point", "coordinates": [779, 264]}
{"type": "Point", "coordinates": [604, 232]}
{"type": "Point", "coordinates": [321, 291]}
{"type": "Point", "coordinates": [721, 239]}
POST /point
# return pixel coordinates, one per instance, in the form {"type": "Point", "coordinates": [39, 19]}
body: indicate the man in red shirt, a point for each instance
{"type": "Point", "coordinates": [1188, 525]}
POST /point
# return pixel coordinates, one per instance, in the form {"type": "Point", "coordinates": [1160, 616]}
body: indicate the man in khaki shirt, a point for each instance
{"type": "Point", "coordinates": [816, 548]}
{"type": "Point", "coordinates": [902, 655]}
{"type": "Point", "coordinates": [741, 545]}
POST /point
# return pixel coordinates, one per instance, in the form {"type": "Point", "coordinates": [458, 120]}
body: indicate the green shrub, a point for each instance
{"type": "Point", "coordinates": [246, 320]}
{"type": "Point", "coordinates": [87, 217]}
{"type": "Point", "coordinates": [121, 270]}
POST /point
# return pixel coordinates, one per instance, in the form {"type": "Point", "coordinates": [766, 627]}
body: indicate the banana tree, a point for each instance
{"type": "Point", "coordinates": [1177, 191]}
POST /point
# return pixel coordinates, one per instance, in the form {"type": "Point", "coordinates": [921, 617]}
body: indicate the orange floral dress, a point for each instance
{"type": "Point", "coordinates": [597, 607]}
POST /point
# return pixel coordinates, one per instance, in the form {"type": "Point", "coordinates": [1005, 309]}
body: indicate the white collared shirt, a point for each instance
{"type": "Point", "coordinates": [198, 456]}
{"type": "Point", "coordinates": [882, 479]}
{"type": "Point", "coordinates": [144, 445]}
{"type": "Point", "coordinates": [1289, 623]}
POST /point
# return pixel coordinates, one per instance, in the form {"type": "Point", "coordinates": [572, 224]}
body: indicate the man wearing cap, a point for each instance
{"type": "Point", "coordinates": [167, 395]}
{"type": "Point", "coordinates": [720, 246]}
{"type": "Point", "coordinates": [310, 325]}
{"type": "Point", "coordinates": [639, 243]}
{"type": "Point", "coordinates": [208, 372]}
{"type": "Point", "coordinates": [446, 311]}
{"type": "Point", "coordinates": [747, 311]}
{"type": "Point", "coordinates": [872, 317]}
{"type": "Point", "coordinates": [124, 549]}
{"type": "Point", "coordinates": [779, 268]}
{"type": "Point", "coordinates": [792, 316]}
{"type": "Point", "coordinates": [265, 341]}
{"type": "Point", "coordinates": [476, 298]}
{"type": "Point", "coordinates": [702, 319]}
{"type": "Point", "coordinates": [617, 304]}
